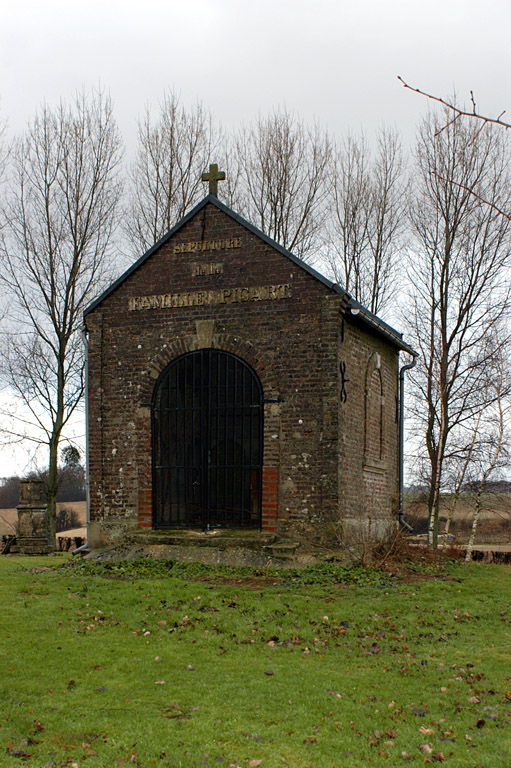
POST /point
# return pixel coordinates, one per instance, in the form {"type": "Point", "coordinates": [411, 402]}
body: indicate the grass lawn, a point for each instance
{"type": "Point", "coordinates": [147, 664]}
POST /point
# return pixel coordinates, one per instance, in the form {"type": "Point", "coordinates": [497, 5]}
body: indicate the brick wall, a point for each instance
{"type": "Point", "coordinates": [368, 466]}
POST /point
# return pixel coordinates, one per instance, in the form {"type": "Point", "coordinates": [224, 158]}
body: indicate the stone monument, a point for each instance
{"type": "Point", "coordinates": [33, 521]}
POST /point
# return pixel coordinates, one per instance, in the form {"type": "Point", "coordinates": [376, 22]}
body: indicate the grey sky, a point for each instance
{"type": "Point", "coordinates": [336, 62]}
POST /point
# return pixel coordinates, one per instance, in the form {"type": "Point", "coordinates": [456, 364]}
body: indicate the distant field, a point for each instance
{"type": "Point", "coordinates": [9, 517]}
{"type": "Point", "coordinates": [494, 523]}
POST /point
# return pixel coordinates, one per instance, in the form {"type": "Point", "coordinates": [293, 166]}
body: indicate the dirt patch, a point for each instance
{"type": "Point", "coordinates": [247, 582]}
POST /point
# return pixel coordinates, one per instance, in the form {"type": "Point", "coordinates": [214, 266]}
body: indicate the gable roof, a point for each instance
{"type": "Point", "coordinates": [359, 311]}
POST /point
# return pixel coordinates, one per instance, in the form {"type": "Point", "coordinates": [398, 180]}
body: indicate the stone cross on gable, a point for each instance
{"type": "Point", "coordinates": [214, 176]}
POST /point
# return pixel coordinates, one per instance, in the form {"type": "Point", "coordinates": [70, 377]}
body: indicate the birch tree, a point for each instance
{"type": "Point", "coordinates": [61, 211]}
{"type": "Point", "coordinates": [458, 268]}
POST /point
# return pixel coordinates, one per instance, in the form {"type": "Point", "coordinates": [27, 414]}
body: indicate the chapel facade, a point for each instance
{"type": "Point", "coordinates": [230, 385]}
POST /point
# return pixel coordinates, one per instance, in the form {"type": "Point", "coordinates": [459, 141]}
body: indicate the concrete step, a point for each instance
{"type": "Point", "coordinates": [218, 538]}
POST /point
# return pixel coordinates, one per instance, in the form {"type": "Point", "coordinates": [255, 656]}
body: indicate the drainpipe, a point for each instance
{"type": "Point", "coordinates": [405, 368]}
{"type": "Point", "coordinates": [87, 485]}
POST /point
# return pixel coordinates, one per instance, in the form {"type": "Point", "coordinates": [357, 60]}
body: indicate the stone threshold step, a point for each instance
{"type": "Point", "coordinates": [220, 539]}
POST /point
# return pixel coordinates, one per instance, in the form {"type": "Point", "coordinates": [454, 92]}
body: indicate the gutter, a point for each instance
{"type": "Point", "coordinates": [374, 321]}
{"type": "Point", "coordinates": [402, 372]}
{"type": "Point", "coordinates": [85, 342]}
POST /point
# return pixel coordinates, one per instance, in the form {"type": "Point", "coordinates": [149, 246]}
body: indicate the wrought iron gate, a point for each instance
{"type": "Point", "coordinates": [207, 417]}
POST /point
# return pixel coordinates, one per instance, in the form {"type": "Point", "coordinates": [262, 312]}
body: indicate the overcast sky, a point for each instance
{"type": "Point", "coordinates": [329, 60]}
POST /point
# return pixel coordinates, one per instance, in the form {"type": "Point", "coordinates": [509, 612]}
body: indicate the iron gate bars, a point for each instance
{"type": "Point", "coordinates": [207, 441]}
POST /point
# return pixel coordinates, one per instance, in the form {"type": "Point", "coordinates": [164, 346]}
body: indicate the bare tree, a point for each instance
{"type": "Point", "coordinates": [173, 152]}
{"type": "Point", "coordinates": [284, 180]}
{"type": "Point", "coordinates": [458, 264]}
{"type": "Point", "coordinates": [60, 215]}
{"type": "Point", "coordinates": [367, 218]}
{"type": "Point", "coordinates": [349, 218]}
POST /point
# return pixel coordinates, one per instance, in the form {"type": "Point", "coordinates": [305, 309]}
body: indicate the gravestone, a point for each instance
{"type": "Point", "coordinates": [33, 521]}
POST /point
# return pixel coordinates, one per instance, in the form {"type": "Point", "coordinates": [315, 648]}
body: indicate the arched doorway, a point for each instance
{"type": "Point", "coordinates": [207, 419]}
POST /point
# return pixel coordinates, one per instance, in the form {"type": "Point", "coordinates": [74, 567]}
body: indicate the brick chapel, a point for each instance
{"type": "Point", "coordinates": [230, 385]}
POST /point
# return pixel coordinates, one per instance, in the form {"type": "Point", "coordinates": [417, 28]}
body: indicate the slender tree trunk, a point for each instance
{"type": "Point", "coordinates": [475, 520]}
{"type": "Point", "coordinates": [53, 478]}
{"type": "Point", "coordinates": [51, 490]}
{"type": "Point", "coordinates": [450, 513]}
{"type": "Point", "coordinates": [436, 459]}
{"type": "Point", "coordinates": [461, 478]}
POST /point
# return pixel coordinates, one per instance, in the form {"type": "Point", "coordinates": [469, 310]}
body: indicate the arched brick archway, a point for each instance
{"type": "Point", "coordinates": [170, 350]}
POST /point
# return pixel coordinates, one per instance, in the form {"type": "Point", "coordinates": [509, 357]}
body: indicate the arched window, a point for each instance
{"type": "Point", "coordinates": [373, 411]}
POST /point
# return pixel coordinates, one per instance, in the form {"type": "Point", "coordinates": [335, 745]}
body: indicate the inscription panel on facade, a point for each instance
{"type": "Point", "coordinates": [199, 246]}
{"type": "Point", "coordinates": [210, 297]}
{"type": "Point", "coordinates": [199, 270]}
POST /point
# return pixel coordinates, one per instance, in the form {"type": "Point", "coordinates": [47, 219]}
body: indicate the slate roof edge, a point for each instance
{"type": "Point", "coordinates": [386, 330]}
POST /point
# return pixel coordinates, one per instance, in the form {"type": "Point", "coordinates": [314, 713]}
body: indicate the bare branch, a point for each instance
{"type": "Point", "coordinates": [458, 112]}
{"type": "Point", "coordinates": [476, 196]}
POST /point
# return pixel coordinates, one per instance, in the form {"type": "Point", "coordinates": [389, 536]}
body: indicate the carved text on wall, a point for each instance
{"type": "Point", "coordinates": [199, 270]}
{"type": "Point", "coordinates": [199, 246]}
{"type": "Point", "coordinates": [201, 298]}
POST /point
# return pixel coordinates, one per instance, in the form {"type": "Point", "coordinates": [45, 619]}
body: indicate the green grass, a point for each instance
{"type": "Point", "coordinates": [148, 664]}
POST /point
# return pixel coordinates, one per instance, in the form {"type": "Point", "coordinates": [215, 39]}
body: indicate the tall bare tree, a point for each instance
{"type": "Point", "coordinates": [367, 218]}
{"type": "Point", "coordinates": [173, 152]}
{"type": "Point", "coordinates": [284, 172]}
{"type": "Point", "coordinates": [61, 211]}
{"type": "Point", "coordinates": [458, 263]}
{"type": "Point", "coordinates": [349, 217]}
